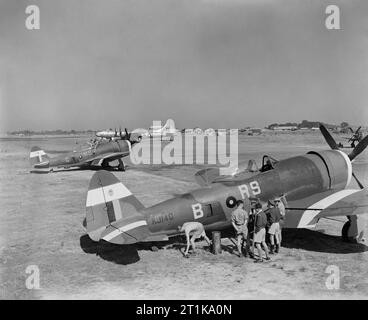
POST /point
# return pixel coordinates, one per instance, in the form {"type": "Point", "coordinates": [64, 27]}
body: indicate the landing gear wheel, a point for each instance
{"type": "Point", "coordinates": [353, 230]}
{"type": "Point", "coordinates": [344, 231]}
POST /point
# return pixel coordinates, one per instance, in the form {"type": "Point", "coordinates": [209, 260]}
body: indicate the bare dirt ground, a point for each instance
{"type": "Point", "coordinates": [41, 217]}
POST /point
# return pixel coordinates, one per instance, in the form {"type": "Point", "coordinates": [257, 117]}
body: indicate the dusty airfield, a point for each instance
{"type": "Point", "coordinates": [41, 218]}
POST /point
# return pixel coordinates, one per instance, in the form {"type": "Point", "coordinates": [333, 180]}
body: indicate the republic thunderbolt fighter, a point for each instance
{"type": "Point", "coordinates": [314, 186]}
{"type": "Point", "coordinates": [97, 154]}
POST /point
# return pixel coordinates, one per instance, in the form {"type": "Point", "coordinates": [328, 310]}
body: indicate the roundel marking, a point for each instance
{"type": "Point", "coordinates": [230, 202]}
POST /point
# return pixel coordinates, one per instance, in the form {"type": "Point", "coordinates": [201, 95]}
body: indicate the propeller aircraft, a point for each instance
{"type": "Point", "coordinates": [115, 135]}
{"type": "Point", "coordinates": [356, 137]}
{"type": "Point", "coordinates": [96, 155]}
{"type": "Point", "coordinates": [313, 187]}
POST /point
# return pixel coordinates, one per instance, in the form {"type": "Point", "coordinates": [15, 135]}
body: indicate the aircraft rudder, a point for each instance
{"type": "Point", "coordinates": [38, 156]}
{"type": "Point", "coordinates": [112, 210]}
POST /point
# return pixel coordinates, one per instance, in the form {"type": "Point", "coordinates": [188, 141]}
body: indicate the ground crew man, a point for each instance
{"type": "Point", "coordinates": [273, 217]}
{"type": "Point", "coordinates": [251, 223]}
{"type": "Point", "coordinates": [260, 232]}
{"type": "Point", "coordinates": [280, 205]}
{"type": "Point", "coordinates": [193, 230]}
{"type": "Point", "coordinates": [239, 220]}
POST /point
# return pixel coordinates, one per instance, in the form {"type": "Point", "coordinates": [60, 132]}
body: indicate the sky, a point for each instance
{"type": "Point", "coordinates": [208, 63]}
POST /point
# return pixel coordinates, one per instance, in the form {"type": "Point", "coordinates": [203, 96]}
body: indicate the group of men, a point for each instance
{"type": "Point", "coordinates": [255, 224]}
{"type": "Point", "coordinates": [252, 225]}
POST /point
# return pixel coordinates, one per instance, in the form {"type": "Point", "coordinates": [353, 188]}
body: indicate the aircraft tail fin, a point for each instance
{"type": "Point", "coordinates": [39, 158]}
{"type": "Point", "coordinates": [169, 125]}
{"type": "Point", "coordinates": [113, 212]}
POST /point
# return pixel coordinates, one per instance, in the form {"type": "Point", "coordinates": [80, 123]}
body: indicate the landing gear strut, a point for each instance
{"type": "Point", "coordinates": [353, 230]}
{"type": "Point", "coordinates": [121, 166]}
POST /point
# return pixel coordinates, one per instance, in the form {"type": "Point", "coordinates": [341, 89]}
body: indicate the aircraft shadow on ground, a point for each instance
{"type": "Point", "coordinates": [319, 242]}
{"type": "Point", "coordinates": [119, 254]}
{"type": "Point", "coordinates": [128, 254]}
{"type": "Point", "coordinates": [291, 238]}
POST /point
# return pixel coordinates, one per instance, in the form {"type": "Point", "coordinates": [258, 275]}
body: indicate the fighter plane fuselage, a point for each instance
{"type": "Point", "coordinates": [83, 157]}
{"type": "Point", "coordinates": [296, 178]}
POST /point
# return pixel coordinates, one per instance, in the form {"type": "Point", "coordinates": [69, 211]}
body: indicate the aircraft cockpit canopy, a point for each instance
{"type": "Point", "coordinates": [268, 163]}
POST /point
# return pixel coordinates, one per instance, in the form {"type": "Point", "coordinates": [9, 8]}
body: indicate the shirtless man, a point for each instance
{"type": "Point", "coordinates": [193, 230]}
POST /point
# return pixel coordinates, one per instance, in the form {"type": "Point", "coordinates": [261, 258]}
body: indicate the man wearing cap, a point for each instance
{"type": "Point", "coordinates": [239, 220]}
{"type": "Point", "coordinates": [193, 230]}
{"type": "Point", "coordinates": [260, 232]}
{"type": "Point", "coordinates": [273, 217]}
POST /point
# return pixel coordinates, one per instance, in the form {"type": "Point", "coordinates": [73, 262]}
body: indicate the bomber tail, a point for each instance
{"type": "Point", "coordinates": [113, 211]}
{"type": "Point", "coordinates": [39, 158]}
{"type": "Point", "coordinates": [169, 125]}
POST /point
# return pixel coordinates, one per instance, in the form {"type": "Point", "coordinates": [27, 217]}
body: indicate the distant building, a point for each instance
{"type": "Point", "coordinates": [209, 132]}
{"type": "Point", "coordinates": [285, 128]}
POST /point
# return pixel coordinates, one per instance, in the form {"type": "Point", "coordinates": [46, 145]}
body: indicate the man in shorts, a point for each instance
{"type": "Point", "coordinates": [273, 217]}
{"type": "Point", "coordinates": [239, 220]}
{"type": "Point", "coordinates": [193, 230]}
{"type": "Point", "coordinates": [260, 232]}
{"type": "Point", "coordinates": [281, 207]}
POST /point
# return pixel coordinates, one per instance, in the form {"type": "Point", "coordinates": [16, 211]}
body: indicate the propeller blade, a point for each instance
{"type": "Point", "coordinates": [358, 130]}
{"type": "Point", "coordinates": [127, 134]}
{"type": "Point", "coordinates": [330, 141]}
{"type": "Point", "coordinates": [359, 148]}
{"type": "Point", "coordinates": [358, 182]}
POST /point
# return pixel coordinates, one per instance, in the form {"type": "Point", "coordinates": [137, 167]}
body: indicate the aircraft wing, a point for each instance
{"type": "Point", "coordinates": [108, 157]}
{"type": "Point", "coordinates": [206, 177]}
{"type": "Point", "coordinates": [97, 160]}
{"type": "Point", "coordinates": [306, 212]}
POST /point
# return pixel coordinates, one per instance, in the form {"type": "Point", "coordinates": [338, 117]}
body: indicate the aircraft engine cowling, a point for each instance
{"type": "Point", "coordinates": [338, 165]}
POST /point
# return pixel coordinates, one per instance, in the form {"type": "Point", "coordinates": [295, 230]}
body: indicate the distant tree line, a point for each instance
{"type": "Point", "coordinates": [305, 124]}
{"type": "Point", "coordinates": [49, 132]}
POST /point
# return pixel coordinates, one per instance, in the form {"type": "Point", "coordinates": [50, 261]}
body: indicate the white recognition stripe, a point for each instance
{"type": "Point", "coordinates": [34, 154]}
{"type": "Point", "coordinates": [106, 194]}
{"type": "Point", "coordinates": [128, 227]}
{"type": "Point", "coordinates": [308, 215]}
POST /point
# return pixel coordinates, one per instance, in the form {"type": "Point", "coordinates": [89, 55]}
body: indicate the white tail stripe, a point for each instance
{"type": "Point", "coordinates": [308, 215]}
{"type": "Point", "coordinates": [38, 153]}
{"type": "Point", "coordinates": [106, 194]}
{"type": "Point", "coordinates": [126, 228]}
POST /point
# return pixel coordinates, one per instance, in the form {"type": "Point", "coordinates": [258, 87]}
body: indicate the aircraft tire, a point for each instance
{"type": "Point", "coordinates": [344, 231]}
{"type": "Point", "coordinates": [353, 230]}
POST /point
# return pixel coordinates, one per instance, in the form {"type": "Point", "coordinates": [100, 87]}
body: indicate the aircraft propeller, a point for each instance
{"type": "Point", "coordinates": [359, 148]}
{"type": "Point", "coordinates": [330, 141]}
{"type": "Point", "coordinates": [352, 155]}
{"type": "Point", "coordinates": [127, 135]}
